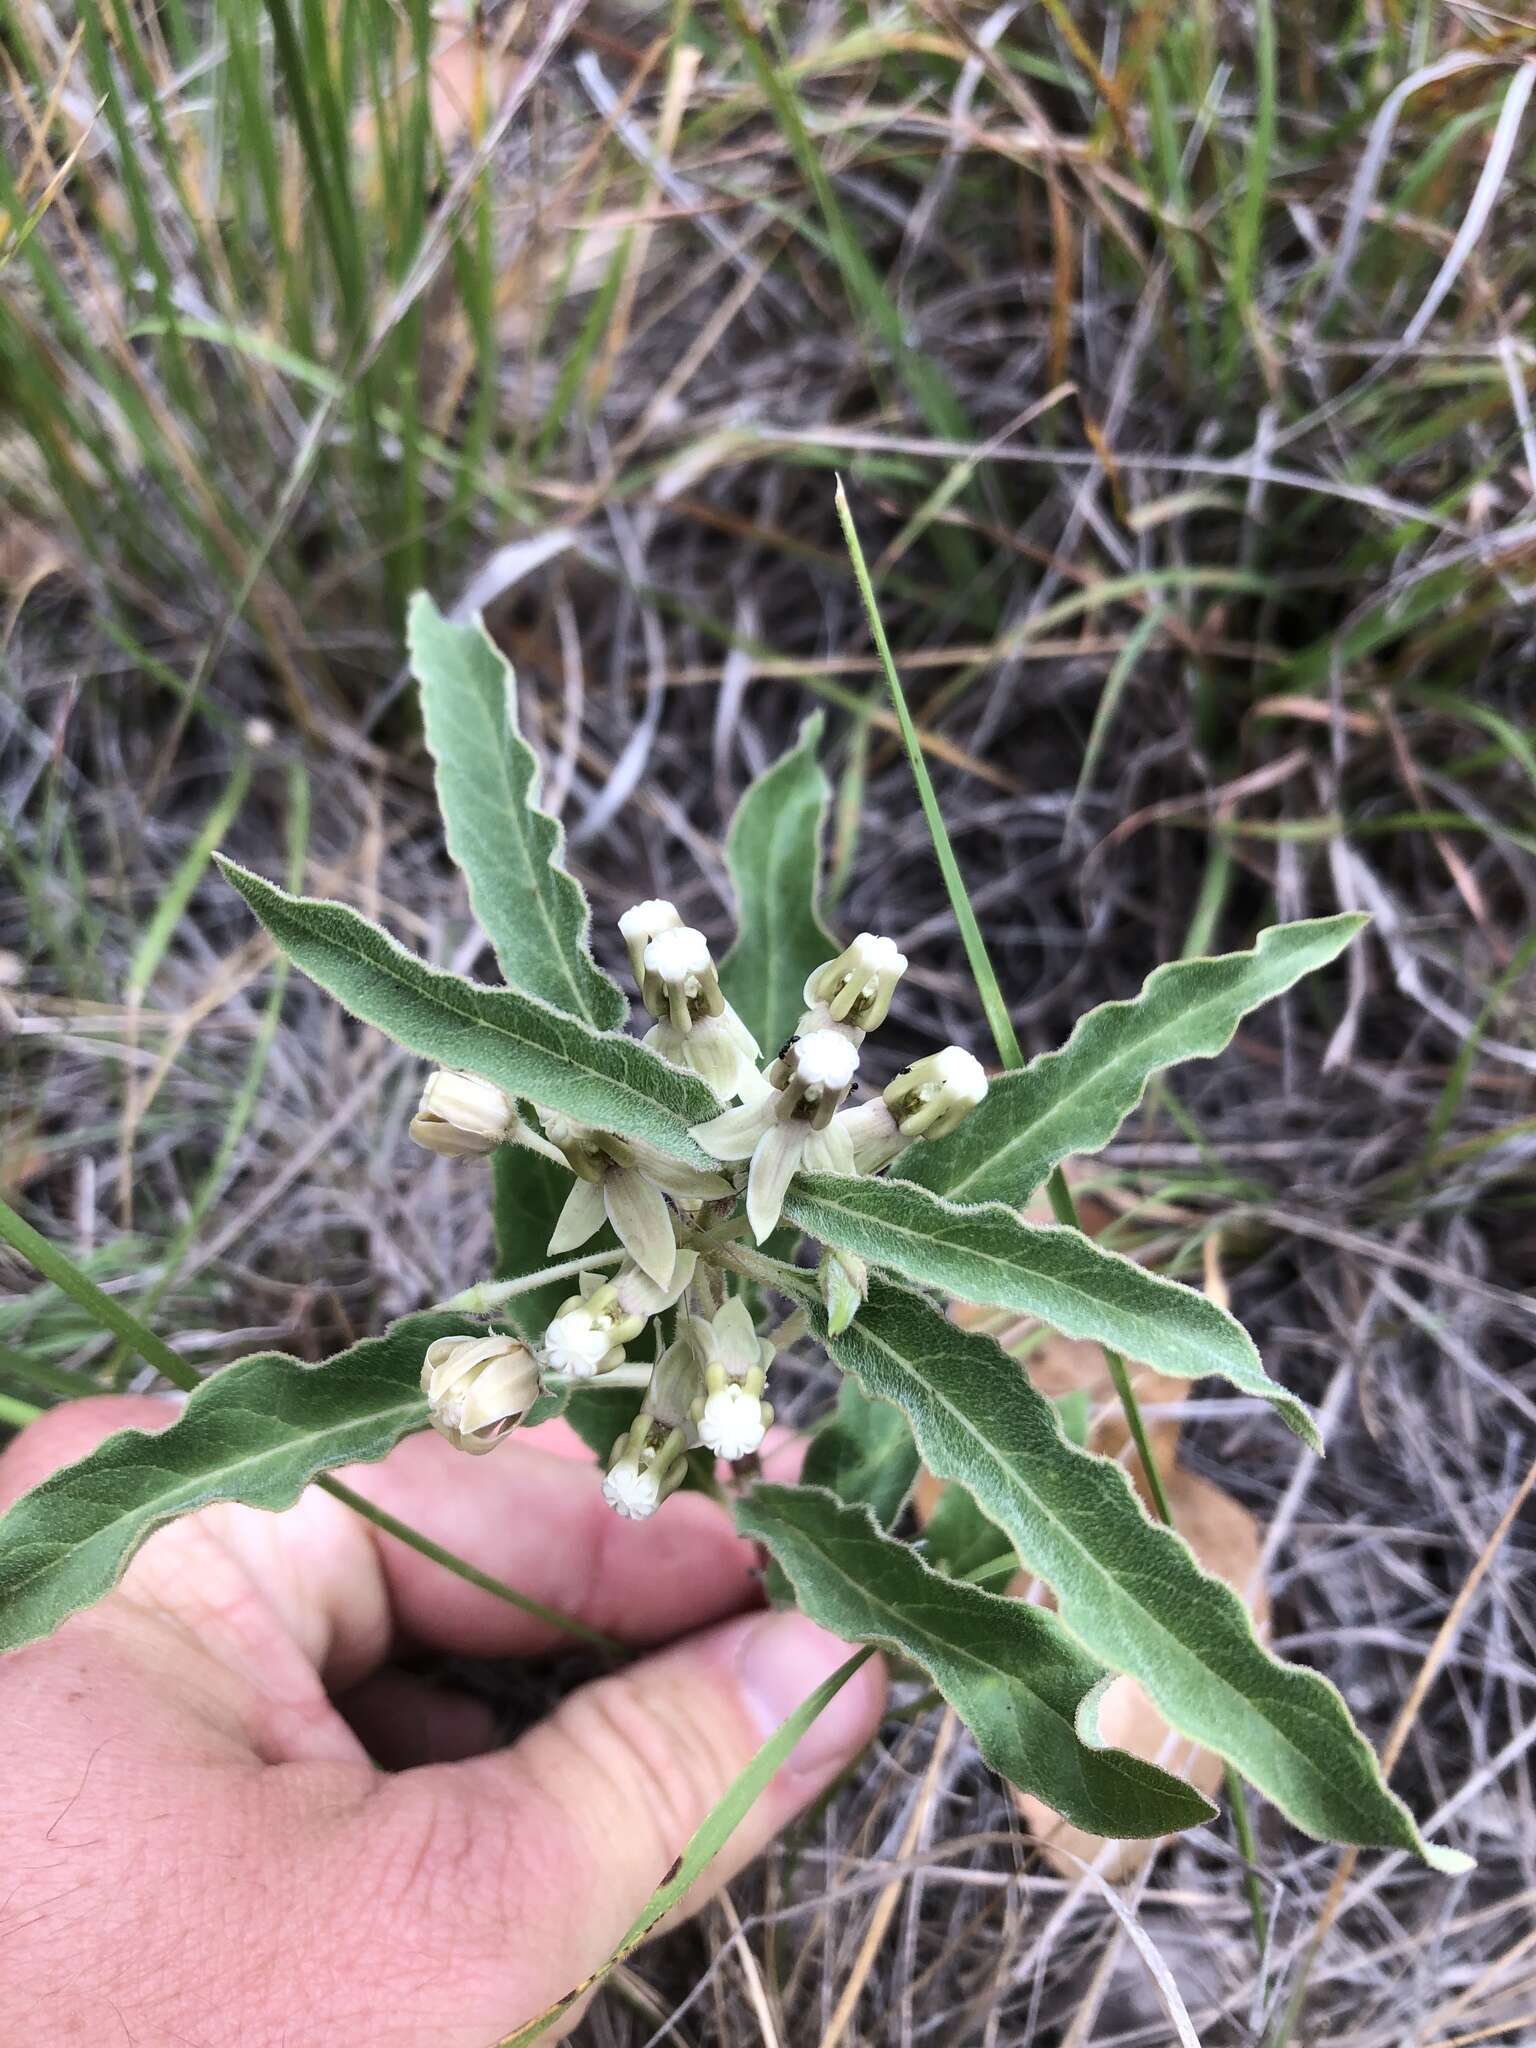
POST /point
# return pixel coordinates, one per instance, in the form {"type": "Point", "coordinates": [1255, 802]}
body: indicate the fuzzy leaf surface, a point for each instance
{"type": "Point", "coordinates": [1074, 1100]}
{"type": "Point", "coordinates": [864, 1454]}
{"type": "Point", "coordinates": [512, 853]}
{"type": "Point", "coordinates": [988, 1254]}
{"type": "Point", "coordinates": [256, 1432]}
{"type": "Point", "coordinates": [773, 852]}
{"type": "Point", "coordinates": [1011, 1672]}
{"type": "Point", "coordinates": [518, 1041]}
{"type": "Point", "coordinates": [1130, 1590]}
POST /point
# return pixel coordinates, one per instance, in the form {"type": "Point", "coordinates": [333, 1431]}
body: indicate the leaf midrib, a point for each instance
{"type": "Point", "coordinates": [1012, 1484]}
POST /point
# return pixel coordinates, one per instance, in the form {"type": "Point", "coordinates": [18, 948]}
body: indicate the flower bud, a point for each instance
{"type": "Point", "coordinates": [478, 1388]}
{"type": "Point", "coordinates": [813, 1076]}
{"type": "Point", "coordinates": [858, 985]}
{"type": "Point", "coordinates": [933, 1095]}
{"type": "Point", "coordinates": [844, 1280]}
{"type": "Point", "coordinates": [648, 1462]}
{"type": "Point", "coordinates": [462, 1117]}
{"type": "Point", "coordinates": [678, 979]}
{"type": "Point", "coordinates": [643, 922]}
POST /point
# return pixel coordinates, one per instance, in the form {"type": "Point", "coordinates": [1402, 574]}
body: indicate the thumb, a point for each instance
{"type": "Point", "coordinates": [591, 1809]}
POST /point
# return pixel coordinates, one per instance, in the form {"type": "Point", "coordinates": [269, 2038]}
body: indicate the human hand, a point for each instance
{"type": "Point", "coordinates": [196, 1846]}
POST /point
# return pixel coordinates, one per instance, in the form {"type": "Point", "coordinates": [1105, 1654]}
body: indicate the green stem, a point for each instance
{"type": "Point", "coordinates": [56, 1266]}
{"type": "Point", "coordinates": [486, 1296]}
{"type": "Point", "coordinates": [1011, 1055]}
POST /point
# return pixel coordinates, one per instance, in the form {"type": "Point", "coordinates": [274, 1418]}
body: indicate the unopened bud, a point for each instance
{"type": "Point", "coordinates": [813, 1077]}
{"type": "Point", "coordinates": [844, 1280]}
{"type": "Point", "coordinates": [643, 922]}
{"type": "Point", "coordinates": [933, 1095]}
{"type": "Point", "coordinates": [678, 979]}
{"type": "Point", "coordinates": [478, 1388]}
{"type": "Point", "coordinates": [858, 985]}
{"type": "Point", "coordinates": [461, 1116]}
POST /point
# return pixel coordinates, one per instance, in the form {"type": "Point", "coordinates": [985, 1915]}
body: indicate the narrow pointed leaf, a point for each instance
{"type": "Point", "coordinates": [988, 1254]}
{"type": "Point", "coordinates": [256, 1432]}
{"type": "Point", "coordinates": [522, 1044]}
{"type": "Point", "coordinates": [774, 855]}
{"type": "Point", "coordinates": [1129, 1589]}
{"type": "Point", "coordinates": [864, 1454]}
{"type": "Point", "coordinates": [1011, 1672]}
{"type": "Point", "coordinates": [1076, 1099]}
{"type": "Point", "coordinates": [963, 1543]}
{"type": "Point", "coordinates": [533, 912]}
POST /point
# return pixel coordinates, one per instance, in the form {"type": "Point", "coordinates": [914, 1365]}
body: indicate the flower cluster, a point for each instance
{"type": "Point", "coordinates": [706, 1388]}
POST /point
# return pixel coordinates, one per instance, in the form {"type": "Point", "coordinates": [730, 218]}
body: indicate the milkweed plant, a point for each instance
{"type": "Point", "coordinates": [675, 1209]}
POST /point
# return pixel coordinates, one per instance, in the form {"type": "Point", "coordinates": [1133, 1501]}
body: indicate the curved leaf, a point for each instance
{"type": "Point", "coordinates": [989, 1255]}
{"type": "Point", "coordinates": [1074, 1100]}
{"type": "Point", "coordinates": [1010, 1671]}
{"type": "Point", "coordinates": [774, 854]}
{"type": "Point", "coordinates": [256, 1432]}
{"type": "Point", "coordinates": [524, 1045]}
{"type": "Point", "coordinates": [533, 912]}
{"type": "Point", "coordinates": [1129, 1589]}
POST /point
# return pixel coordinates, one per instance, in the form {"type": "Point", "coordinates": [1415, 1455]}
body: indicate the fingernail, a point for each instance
{"type": "Point", "coordinates": [780, 1662]}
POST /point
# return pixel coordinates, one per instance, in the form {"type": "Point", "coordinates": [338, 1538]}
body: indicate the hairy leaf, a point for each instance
{"type": "Point", "coordinates": [1011, 1672]}
{"type": "Point", "coordinates": [863, 1453]}
{"type": "Point", "coordinates": [963, 1543]}
{"type": "Point", "coordinates": [774, 855]}
{"type": "Point", "coordinates": [516, 1040]}
{"type": "Point", "coordinates": [533, 912]}
{"type": "Point", "coordinates": [256, 1432]}
{"type": "Point", "coordinates": [988, 1254]}
{"type": "Point", "coordinates": [1129, 1589]}
{"type": "Point", "coordinates": [1076, 1099]}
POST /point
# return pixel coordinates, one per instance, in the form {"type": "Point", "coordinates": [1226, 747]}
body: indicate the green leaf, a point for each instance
{"type": "Point", "coordinates": [864, 1454]}
{"type": "Point", "coordinates": [1129, 1589]}
{"type": "Point", "coordinates": [256, 1432]}
{"type": "Point", "coordinates": [524, 1045]}
{"type": "Point", "coordinates": [774, 855]}
{"type": "Point", "coordinates": [599, 1414]}
{"type": "Point", "coordinates": [1010, 1671]}
{"type": "Point", "coordinates": [990, 1255]}
{"type": "Point", "coordinates": [533, 912]}
{"type": "Point", "coordinates": [1074, 1100]}
{"type": "Point", "coordinates": [963, 1543]}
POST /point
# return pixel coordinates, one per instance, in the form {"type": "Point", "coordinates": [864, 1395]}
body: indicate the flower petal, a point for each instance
{"type": "Point", "coordinates": [773, 1168]}
{"type": "Point", "coordinates": [642, 1222]}
{"type": "Point", "coordinates": [734, 1135]}
{"type": "Point", "coordinates": [580, 1219]}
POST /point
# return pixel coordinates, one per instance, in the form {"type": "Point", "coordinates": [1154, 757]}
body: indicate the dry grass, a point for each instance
{"type": "Point", "coordinates": [1182, 381]}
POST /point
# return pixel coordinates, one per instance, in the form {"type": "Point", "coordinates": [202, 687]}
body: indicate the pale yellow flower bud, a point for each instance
{"type": "Point", "coordinates": [933, 1095]}
{"type": "Point", "coordinates": [643, 922]}
{"type": "Point", "coordinates": [462, 1117]}
{"type": "Point", "coordinates": [858, 985]}
{"type": "Point", "coordinates": [478, 1388]}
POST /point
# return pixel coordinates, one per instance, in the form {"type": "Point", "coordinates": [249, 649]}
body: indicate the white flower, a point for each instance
{"type": "Point", "coordinates": [643, 922]}
{"type": "Point", "coordinates": [462, 1117]}
{"type": "Point", "coordinates": [874, 1133]}
{"type": "Point", "coordinates": [933, 1095]}
{"type": "Point", "coordinates": [478, 1388]}
{"type": "Point", "coordinates": [858, 985]}
{"type": "Point", "coordinates": [678, 979]}
{"type": "Point", "coordinates": [580, 1345]}
{"type": "Point", "coordinates": [732, 1423]}
{"type": "Point", "coordinates": [648, 1462]}
{"type": "Point", "coordinates": [792, 1128]}
{"type": "Point", "coordinates": [621, 1179]}
{"type": "Point", "coordinates": [632, 1494]}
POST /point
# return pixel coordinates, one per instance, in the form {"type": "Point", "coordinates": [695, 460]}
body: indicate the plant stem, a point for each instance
{"type": "Point", "coordinates": [58, 1267]}
{"type": "Point", "coordinates": [1009, 1051]}
{"type": "Point", "coordinates": [488, 1295]}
